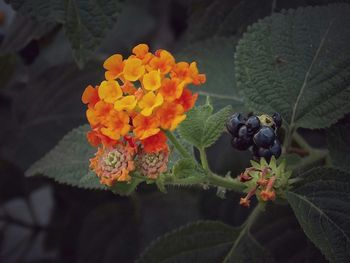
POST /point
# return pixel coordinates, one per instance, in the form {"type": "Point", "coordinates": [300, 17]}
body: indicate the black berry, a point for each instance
{"type": "Point", "coordinates": [253, 124]}
{"type": "Point", "coordinates": [264, 137]}
{"type": "Point", "coordinates": [235, 122]}
{"type": "Point", "coordinates": [276, 149]}
{"type": "Point", "coordinates": [277, 118]}
{"type": "Point", "coordinates": [241, 144]}
{"type": "Point", "coordinates": [262, 153]}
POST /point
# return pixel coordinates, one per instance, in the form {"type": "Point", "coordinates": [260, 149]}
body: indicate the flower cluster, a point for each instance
{"type": "Point", "coordinates": [265, 180]}
{"type": "Point", "coordinates": [141, 97]}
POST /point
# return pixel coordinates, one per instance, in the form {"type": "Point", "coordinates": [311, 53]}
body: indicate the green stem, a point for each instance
{"type": "Point", "coordinates": [315, 156]}
{"type": "Point", "coordinates": [245, 229]}
{"type": "Point", "coordinates": [204, 160]}
{"type": "Point", "coordinates": [228, 183]}
{"type": "Point", "coordinates": [302, 142]}
{"type": "Point", "coordinates": [177, 145]}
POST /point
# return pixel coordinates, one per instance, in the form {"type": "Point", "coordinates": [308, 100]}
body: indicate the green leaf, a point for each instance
{"type": "Point", "coordinates": [204, 241]}
{"type": "Point", "coordinates": [91, 181]}
{"type": "Point", "coordinates": [187, 168]}
{"type": "Point", "coordinates": [297, 63]}
{"type": "Point", "coordinates": [86, 22]}
{"type": "Point", "coordinates": [68, 162]}
{"type": "Point", "coordinates": [321, 204]}
{"type": "Point", "coordinates": [174, 155]}
{"type": "Point", "coordinates": [201, 128]}
{"type": "Point", "coordinates": [214, 126]}
{"type": "Point", "coordinates": [338, 139]}
{"type": "Point", "coordinates": [126, 188]}
{"type": "Point", "coordinates": [214, 57]}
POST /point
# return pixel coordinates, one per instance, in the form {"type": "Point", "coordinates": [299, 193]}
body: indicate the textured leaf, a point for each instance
{"type": "Point", "coordinates": [223, 17]}
{"type": "Point", "coordinates": [214, 126]}
{"type": "Point", "coordinates": [86, 22]}
{"type": "Point", "coordinates": [214, 57]}
{"type": "Point", "coordinates": [187, 168]}
{"type": "Point", "coordinates": [204, 241]}
{"type": "Point", "coordinates": [191, 129]}
{"type": "Point", "coordinates": [321, 204]}
{"type": "Point", "coordinates": [201, 128]}
{"type": "Point", "coordinates": [126, 188]}
{"type": "Point", "coordinates": [175, 156]}
{"type": "Point", "coordinates": [68, 162]}
{"type": "Point", "coordinates": [44, 110]}
{"type": "Point", "coordinates": [338, 138]}
{"type": "Point", "coordinates": [297, 63]}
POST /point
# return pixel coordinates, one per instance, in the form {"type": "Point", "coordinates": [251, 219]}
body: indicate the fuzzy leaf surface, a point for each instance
{"type": "Point", "coordinates": [68, 162]}
{"type": "Point", "coordinates": [201, 127]}
{"type": "Point", "coordinates": [86, 22]}
{"type": "Point", "coordinates": [297, 63]}
{"type": "Point", "coordinates": [321, 203]}
{"type": "Point", "coordinates": [204, 241]}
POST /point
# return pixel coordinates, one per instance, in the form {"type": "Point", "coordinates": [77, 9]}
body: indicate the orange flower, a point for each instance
{"type": "Point", "coordinates": [149, 102]}
{"type": "Point", "coordinates": [113, 164]}
{"type": "Point", "coordinates": [133, 69]}
{"type": "Point", "coordinates": [170, 116]}
{"type": "Point", "coordinates": [155, 143]}
{"type": "Point", "coordinates": [188, 73]}
{"type": "Point", "coordinates": [141, 51]}
{"type": "Point", "coordinates": [141, 95]}
{"type": "Point", "coordinates": [151, 80]}
{"type": "Point", "coordinates": [163, 61]}
{"type": "Point", "coordinates": [90, 96]}
{"type": "Point", "coordinates": [114, 66]}
{"type": "Point", "coordinates": [196, 77]}
{"type": "Point", "coordinates": [98, 114]}
{"type": "Point", "coordinates": [187, 100]}
{"type": "Point", "coordinates": [145, 127]}
{"type": "Point", "coordinates": [127, 103]}
{"type": "Point", "coordinates": [128, 88]}
{"type": "Point", "coordinates": [117, 125]}
{"type": "Point", "coordinates": [110, 91]}
{"type": "Point", "coordinates": [171, 89]}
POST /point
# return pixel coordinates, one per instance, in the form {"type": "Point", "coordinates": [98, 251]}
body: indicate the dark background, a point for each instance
{"type": "Point", "coordinates": [40, 90]}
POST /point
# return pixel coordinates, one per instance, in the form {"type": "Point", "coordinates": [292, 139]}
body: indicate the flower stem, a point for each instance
{"type": "Point", "coordinates": [302, 142]}
{"type": "Point", "coordinates": [245, 228]}
{"type": "Point", "coordinates": [228, 183]}
{"type": "Point", "coordinates": [177, 145]}
{"type": "Point", "coordinates": [204, 159]}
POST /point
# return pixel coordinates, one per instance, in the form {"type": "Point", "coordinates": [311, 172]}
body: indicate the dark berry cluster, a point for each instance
{"type": "Point", "coordinates": [257, 133]}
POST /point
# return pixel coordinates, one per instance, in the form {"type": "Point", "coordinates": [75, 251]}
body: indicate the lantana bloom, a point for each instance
{"type": "Point", "coordinates": [142, 97]}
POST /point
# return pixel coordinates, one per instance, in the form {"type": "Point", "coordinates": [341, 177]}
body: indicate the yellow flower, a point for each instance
{"type": "Point", "coordinates": [114, 66]}
{"type": "Point", "coordinates": [133, 69]}
{"type": "Point", "coordinates": [151, 80]}
{"type": "Point", "coordinates": [110, 91]}
{"type": "Point", "coordinates": [149, 102]}
{"type": "Point", "coordinates": [127, 103]}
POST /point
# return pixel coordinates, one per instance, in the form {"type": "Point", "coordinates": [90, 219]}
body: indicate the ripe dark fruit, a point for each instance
{"type": "Point", "coordinates": [243, 131]}
{"type": "Point", "coordinates": [264, 137]}
{"type": "Point", "coordinates": [253, 124]}
{"type": "Point", "coordinates": [241, 144]}
{"type": "Point", "coordinates": [235, 122]}
{"type": "Point", "coordinates": [257, 133]}
{"type": "Point", "coordinates": [277, 118]}
{"type": "Point", "coordinates": [276, 149]}
{"type": "Point", "coordinates": [264, 153]}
